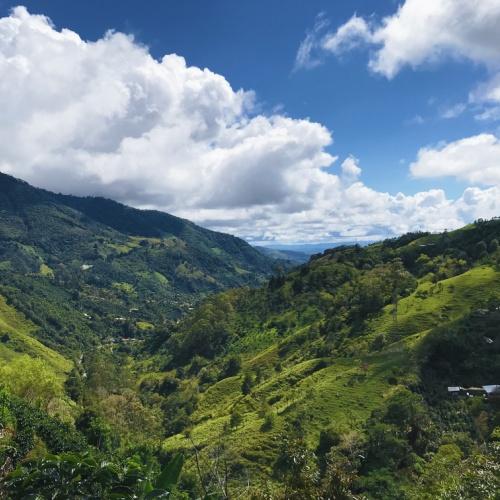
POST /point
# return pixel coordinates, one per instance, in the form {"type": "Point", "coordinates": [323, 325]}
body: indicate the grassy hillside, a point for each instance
{"type": "Point", "coordinates": [327, 347]}
{"type": "Point", "coordinates": [16, 338]}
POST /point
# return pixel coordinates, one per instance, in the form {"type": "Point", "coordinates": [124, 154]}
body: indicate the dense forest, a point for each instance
{"type": "Point", "coordinates": [144, 357]}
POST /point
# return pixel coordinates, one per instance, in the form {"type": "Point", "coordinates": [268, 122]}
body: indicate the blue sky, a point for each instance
{"type": "Point", "coordinates": [380, 119]}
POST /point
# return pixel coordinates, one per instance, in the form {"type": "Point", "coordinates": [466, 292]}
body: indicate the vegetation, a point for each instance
{"type": "Point", "coordinates": [85, 271]}
{"type": "Point", "coordinates": [328, 381]}
{"type": "Point", "coordinates": [345, 364]}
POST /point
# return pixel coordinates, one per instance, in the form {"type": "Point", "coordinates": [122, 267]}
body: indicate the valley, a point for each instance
{"type": "Point", "coordinates": [141, 335]}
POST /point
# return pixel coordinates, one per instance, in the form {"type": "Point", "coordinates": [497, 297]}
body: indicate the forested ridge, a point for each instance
{"type": "Point", "coordinates": [144, 357]}
{"type": "Point", "coordinates": [89, 269]}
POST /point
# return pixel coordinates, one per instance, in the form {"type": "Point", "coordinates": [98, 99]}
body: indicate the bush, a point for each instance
{"type": "Point", "coordinates": [269, 421]}
{"type": "Point", "coordinates": [169, 385]}
{"type": "Point", "coordinates": [92, 477]}
{"type": "Point", "coordinates": [235, 419]}
{"type": "Point", "coordinates": [232, 367]}
{"type": "Point", "coordinates": [31, 379]}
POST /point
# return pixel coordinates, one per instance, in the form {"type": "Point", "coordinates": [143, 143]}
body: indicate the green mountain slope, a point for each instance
{"type": "Point", "coordinates": [87, 269]}
{"type": "Point", "coordinates": [327, 381]}
{"type": "Point", "coordinates": [328, 348]}
{"type": "Point", "coordinates": [17, 337]}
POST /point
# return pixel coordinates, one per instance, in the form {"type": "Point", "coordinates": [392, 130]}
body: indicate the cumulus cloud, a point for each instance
{"type": "Point", "coordinates": [106, 118]}
{"type": "Point", "coordinates": [423, 31]}
{"type": "Point", "coordinates": [350, 170]}
{"type": "Point", "coordinates": [428, 30]}
{"type": "Point", "coordinates": [474, 159]}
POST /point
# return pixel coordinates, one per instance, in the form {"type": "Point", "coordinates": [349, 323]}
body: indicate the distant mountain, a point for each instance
{"type": "Point", "coordinates": [313, 248]}
{"type": "Point", "coordinates": [287, 256]}
{"type": "Point", "coordinates": [84, 268]}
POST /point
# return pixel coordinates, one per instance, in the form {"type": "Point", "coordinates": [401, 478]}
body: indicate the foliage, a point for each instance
{"type": "Point", "coordinates": [327, 382]}
{"type": "Point", "coordinates": [87, 476]}
{"type": "Point", "coordinates": [27, 423]}
{"type": "Point", "coordinates": [32, 380]}
{"type": "Point", "coordinates": [353, 353]}
{"type": "Point", "coordinates": [84, 270]}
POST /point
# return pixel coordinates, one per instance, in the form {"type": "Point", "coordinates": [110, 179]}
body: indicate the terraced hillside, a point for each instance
{"type": "Point", "coordinates": [328, 381]}
{"type": "Point", "coordinates": [321, 353]}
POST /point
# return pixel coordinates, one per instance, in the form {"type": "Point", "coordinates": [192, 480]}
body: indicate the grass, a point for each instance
{"type": "Point", "coordinates": [46, 271]}
{"type": "Point", "coordinates": [434, 304]}
{"type": "Point", "coordinates": [145, 325]}
{"type": "Point", "coordinates": [126, 288]}
{"type": "Point", "coordinates": [20, 340]}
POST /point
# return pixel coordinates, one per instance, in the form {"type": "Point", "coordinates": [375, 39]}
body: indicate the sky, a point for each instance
{"type": "Point", "coordinates": [278, 121]}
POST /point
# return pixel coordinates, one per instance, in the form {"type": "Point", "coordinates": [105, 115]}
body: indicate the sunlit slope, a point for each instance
{"type": "Point", "coordinates": [74, 265]}
{"type": "Point", "coordinates": [336, 390]}
{"type": "Point", "coordinates": [16, 338]}
{"type": "Point", "coordinates": [433, 304]}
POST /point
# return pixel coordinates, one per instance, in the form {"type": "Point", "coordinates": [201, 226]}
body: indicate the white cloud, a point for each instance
{"type": "Point", "coordinates": [474, 159]}
{"type": "Point", "coordinates": [423, 31]}
{"type": "Point", "coordinates": [106, 118]}
{"type": "Point", "coordinates": [350, 170]}
{"type": "Point", "coordinates": [453, 111]}
{"type": "Point", "coordinates": [350, 35]}
{"type": "Point", "coordinates": [486, 96]}
{"type": "Point", "coordinates": [428, 30]}
{"type": "Point", "coordinates": [306, 54]}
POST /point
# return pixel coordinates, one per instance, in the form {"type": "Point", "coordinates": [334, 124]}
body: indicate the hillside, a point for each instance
{"type": "Point", "coordinates": [88, 269]}
{"type": "Point", "coordinates": [327, 381]}
{"type": "Point", "coordinates": [320, 358]}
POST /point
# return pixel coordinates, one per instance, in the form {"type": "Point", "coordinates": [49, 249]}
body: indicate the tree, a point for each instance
{"type": "Point", "coordinates": [397, 275]}
{"type": "Point", "coordinates": [246, 386]}
{"type": "Point", "coordinates": [97, 431]}
{"type": "Point", "coordinates": [74, 385]}
{"type": "Point", "coordinates": [169, 385]}
{"type": "Point", "coordinates": [235, 419]}
{"type": "Point", "coordinates": [481, 249]}
{"type": "Point", "coordinates": [233, 366]}
{"type": "Point", "coordinates": [440, 473]}
{"type": "Point", "coordinates": [130, 417]}
{"type": "Point", "coordinates": [297, 469]}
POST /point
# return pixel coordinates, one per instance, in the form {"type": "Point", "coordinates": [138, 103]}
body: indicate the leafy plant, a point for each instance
{"type": "Point", "coordinates": [72, 476]}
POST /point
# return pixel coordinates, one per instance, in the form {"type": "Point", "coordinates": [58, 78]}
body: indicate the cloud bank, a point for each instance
{"type": "Point", "coordinates": [106, 118]}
